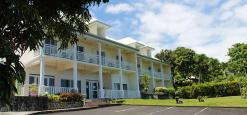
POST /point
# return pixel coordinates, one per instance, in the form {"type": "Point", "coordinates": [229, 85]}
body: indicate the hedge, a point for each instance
{"type": "Point", "coordinates": [210, 89]}
{"type": "Point", "coordinates": [167, 91]}
{"type": "Point", "coordinates": [70, 97]}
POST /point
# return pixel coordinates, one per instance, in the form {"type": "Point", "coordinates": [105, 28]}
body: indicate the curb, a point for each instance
{"type": "Point", "coordinates": [73, 109]}
{"type": "Point", "coordinates": [183, 106]}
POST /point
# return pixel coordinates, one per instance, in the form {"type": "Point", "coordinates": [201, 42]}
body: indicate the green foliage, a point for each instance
{"type": "Point", "coordinates": [202, 98]}
{"type": "Point", "coordinates": [25, 24]}
{"type": "Point", "coordinates": [185, 63]}
{"type": "Point", "coordinates": [11, 70]}
{"type": "Point", "coordinates": [237, 63]}
{"type": "Point", "coordinates": [33, 89]}
{"type": "Point", "coordinates": [230, 77]}
{"type": "Point", "coordinates": [144, 83]}
{"type": "Point", "coordinates": [53, 97]}
{"type": "Point", "coordinates": [118, 101]}
{"type": "Point", "coordinates": [170, 91]}
{"type": "Point", "coordinates": [70, 97]}
{"type": "Point", "coordinates": [210, 89]}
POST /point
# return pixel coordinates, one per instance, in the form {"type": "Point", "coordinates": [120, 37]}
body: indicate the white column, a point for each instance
{"type": "Point", "coordinates": [137, 77]}
{"type": "Point", "coordinates": [101, 91]}
{"type": "Point", "coordinates": [75, 77]}
{"type": "Point", "coordinates": [121, 72]}
{"type": "Point", "coordinates": [42, 71]}
{"type": "Point", "coordinates": [141, 66]}
{"type": "Point", "coordinates": [152, 64]}
{"type": "Point", "coordinates": [162, 74]}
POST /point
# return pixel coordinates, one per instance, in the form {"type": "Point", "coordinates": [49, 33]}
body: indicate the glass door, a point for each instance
{"type": "Point", "coordinates": [92, 89]}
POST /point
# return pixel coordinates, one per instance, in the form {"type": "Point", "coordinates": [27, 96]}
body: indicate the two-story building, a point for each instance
{"type": "Point", "coordinates": [96, 66]}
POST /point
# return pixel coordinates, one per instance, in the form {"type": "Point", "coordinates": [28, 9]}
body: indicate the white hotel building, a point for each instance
{"type": "Point", "coordinates": [96, 66]}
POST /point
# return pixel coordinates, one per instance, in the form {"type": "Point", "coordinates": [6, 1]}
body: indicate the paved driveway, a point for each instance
{"type": "Point", "coordinates": [156, 110]}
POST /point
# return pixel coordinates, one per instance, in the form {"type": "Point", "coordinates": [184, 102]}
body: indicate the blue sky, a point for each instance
{"type": "Point", "coordinates": [206, 26]}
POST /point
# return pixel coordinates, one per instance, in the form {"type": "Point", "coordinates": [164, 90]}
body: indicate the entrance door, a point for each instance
{"type": "Point", "coordinates": [92, 89]}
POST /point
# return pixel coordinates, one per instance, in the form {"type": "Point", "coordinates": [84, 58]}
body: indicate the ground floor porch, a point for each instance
{"type": "Point", "coordinates": [59, 77]}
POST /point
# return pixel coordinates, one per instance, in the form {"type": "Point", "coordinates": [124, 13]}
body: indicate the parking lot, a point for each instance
{"type": "Point", "coordinates": [157, 110]}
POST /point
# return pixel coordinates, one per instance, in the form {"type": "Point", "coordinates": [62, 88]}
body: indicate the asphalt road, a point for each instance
{"type": "Point", "coordinates": [157, 110]}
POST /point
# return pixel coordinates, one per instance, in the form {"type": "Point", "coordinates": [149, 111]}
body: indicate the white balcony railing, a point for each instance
{"type": "Point", "coordinates": [148, 72]}
{"type": "Point", "coordinates": [108, 93]}
{"type": "Point", "coordinates": [158, 75]}
{"type": "Point", "coordinates": [127, 66]}
{"type": "Point", "coordinates": [167, 76]}
{"type": "Point", "coordinates": [89, 58]}
{"type": "Point", "coordinates": [130, 94]}
{"type": "Point", "coordinates": [55, 90]}
{"type": "Point", "coordinates": [110, 62]}
{"type": "Point", "coordinates": [52, 50]}
{"type": "Point", "coordinates": [33, 89]}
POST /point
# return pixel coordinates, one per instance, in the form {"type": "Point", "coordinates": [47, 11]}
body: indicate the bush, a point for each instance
{"type": "Point", "coordinates": [210, 89]}
{"type": "Point", "coordinates": [70, 97]}
{"type": "Point", "coordinates": [53, 97]}
{"type": "Point", "coordinates": [167, 91]}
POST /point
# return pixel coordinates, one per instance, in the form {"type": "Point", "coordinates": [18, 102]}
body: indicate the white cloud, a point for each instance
{"type": "Point", "coordinates": [206, 26]}
{"type": "Point", "coordinates": [119, 8]}
{"type": "Point", "coordinates": [209, 33]}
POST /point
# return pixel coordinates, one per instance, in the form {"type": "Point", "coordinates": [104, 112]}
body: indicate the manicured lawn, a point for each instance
{"type": "Point", "coordinates": [231, 101]}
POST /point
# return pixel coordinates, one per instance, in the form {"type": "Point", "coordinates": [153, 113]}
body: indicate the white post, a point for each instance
{"type": "Point", "coordinates": [101, 91]}
{"type": "Point", "coordinates": [121, 72]}
{"type": "Point", "coordinates": [141, 68]}
{"type": "Point", "coordinates": [152, 64]}
{"type": "Point", "coordinates": [162, 74]}
{"type": "Point", "coordinates": [137, 77]}
{"type": "Point", "coordinates": [42, 71]}
{"type": "Point", "coordinates": [75, 77]}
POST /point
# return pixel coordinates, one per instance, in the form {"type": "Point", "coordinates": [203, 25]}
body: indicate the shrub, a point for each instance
{"type": "Point", "coordinates": [210, 89]}
{"type": "Point", "coordinates": [53, 97]}
{"type": "Point", "coordinates": [33, 90]}
{"type": "Point", "coordinates": [167, 91]}
{"type": "Point", "coordinates": [70, 97]}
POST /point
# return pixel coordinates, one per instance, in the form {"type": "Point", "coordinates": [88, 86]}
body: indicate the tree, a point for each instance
{"type": "Point", "coordinates": [185, 63]}
{"type": "Point", "coordinates": [168, 57]}
{"type": "Point", "coordinates": [201, 66]}
{"type": "Point", "coordinates": [24, 24]}
{"type": "Point", "coordinates": [144, 83]}
{"type": "Point", "coordinates": [182, 62]}
{"type": "Point", "coordinates": [237, 63]}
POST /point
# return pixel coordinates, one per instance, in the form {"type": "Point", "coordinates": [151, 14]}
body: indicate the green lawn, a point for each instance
{"type": "Point", "coordinates": [231, 101]}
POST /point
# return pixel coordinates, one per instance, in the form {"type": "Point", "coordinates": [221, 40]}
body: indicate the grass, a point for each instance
{"type": "Point", "coordinates": [231, 101]}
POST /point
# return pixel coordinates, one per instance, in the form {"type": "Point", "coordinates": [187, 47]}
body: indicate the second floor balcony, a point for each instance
{"type": "Point", "coordinates": [157, 74]}
{"type": "Point", "coordinates": [52, 50]}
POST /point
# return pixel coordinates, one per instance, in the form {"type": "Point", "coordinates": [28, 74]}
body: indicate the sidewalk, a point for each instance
{"type": "Point", "coordinates": [18, 113]}
{"type": "Point", "coordinates": [57, 110]}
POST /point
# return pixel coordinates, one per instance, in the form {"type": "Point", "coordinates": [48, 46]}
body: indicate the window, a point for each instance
{"type": "Point", "coordinates": [51, 42]}
{"type": "Point", "coordinates": [116, 86]}
{"type": "Point", "coordinates": [102, 53]}
{"type": "Point", "coordinates": [49, 81]}
{"type": "Point", "coordinates": [70, 83]}
{"type": "Point", "coordinates": [65, 83]}
{"type": "Point", "coordinates": [31, 79]}
{"type": "Point", "coordinates": [80, 49]}
{"type": "Point", "coordinates": [125, 87]}
{"type": "Point", "coordinates": [118, 58]}
{"type": "Point", "coordinates": [79, 86]}
{"type": "Point", "coordinates": [102, 57]}
{"type": "Point", "coordinates": [158, 70]}
{"type": "Point", "coordinates": [138, 65]}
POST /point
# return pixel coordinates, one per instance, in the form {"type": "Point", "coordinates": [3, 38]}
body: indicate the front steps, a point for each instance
{"type": "Point", "coordinates": [96, 102]}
